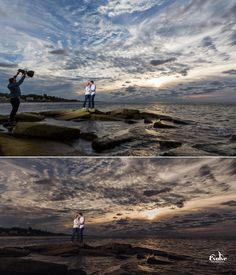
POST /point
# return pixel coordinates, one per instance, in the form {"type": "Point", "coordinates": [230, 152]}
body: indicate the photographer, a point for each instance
{"type": "Point", "coordinates": [15, 93]}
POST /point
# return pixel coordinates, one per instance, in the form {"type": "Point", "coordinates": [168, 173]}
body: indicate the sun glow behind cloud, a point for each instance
{"type": "Point", "coordinates": [157, 195]}
{"type": "Point", "coordinates": [147, 43]}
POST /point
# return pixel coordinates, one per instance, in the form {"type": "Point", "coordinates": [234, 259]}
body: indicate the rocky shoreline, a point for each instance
{"type": "Point", "coordinates": [33, 135]}
{"type": "Point", "coordinates": [74, 258]}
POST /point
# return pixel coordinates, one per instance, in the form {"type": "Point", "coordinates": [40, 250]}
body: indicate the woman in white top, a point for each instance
{"type": "Point", "coordinates": [76, 228]}
{"type": "Point", "coordinates": [81, 227]}
{"type": "Point", "coordinates": [93, 93]}
{"type": "Point", "coordinates": [87, 95]}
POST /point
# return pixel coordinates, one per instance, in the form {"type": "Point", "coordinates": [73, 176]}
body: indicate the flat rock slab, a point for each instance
{"type": "Point", "coordinates": [31, 117]}
{"type": "Point", "coordinates": [72, 115]}
{"type": "Point", "coordinates": [186, 150]}
{"type": "Point", "coordinates": [158, 261]}
{"type": "Point", "coordinates": [46, 131]}
{"type": "Point", "coordinates": [105, 143]}
{"type": "Point", "coordinates": [161, 125]}
{"type": "Point", "coordinates": [169, 143]}
{"type": "Point", "coordinates": [218, 149]}
{"type": "Point", "coordinates": [12, 146]}
{"type": "Point", "coordinates": [17, 266]}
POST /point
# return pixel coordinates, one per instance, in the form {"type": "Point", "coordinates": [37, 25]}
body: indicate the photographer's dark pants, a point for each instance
{"type": "Point", "coordinates": [92, 101]}
{"type": "Point", "coordinates": [15, 102]}
{"type": "Point", "coordinates": [87, 99]}
{"type": "Point", "coordinates": [81, 234]}
{"type": "Point", "coordinates": [75, 233]}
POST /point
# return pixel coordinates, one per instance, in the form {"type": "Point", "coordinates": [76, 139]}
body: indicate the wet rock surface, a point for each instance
{"type": "Point", "coordinates": [119, 132]}
{"type": "Point", "coordinates": [105, 143]}
{"type": "Point", "coordinates": [17, 266]}
{"type": "Point", "coordinates": [12, 146]}
{"type": "Point", "coordinates": [46, 131]}
{"type": "Point", "coordinates": [67, 259]}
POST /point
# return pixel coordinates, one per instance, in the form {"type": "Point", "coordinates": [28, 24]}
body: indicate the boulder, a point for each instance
{"type": "Point", "coordinates": [31, 117]}
{"type": "Point", "coordinates": [18, 266]}
{"type": "Point", "coordinates": [46, 131]}
{"type": "Point", "coordinates": [11, 146]}
{"type": "Point", "coordinates": [109, 142]}
{"type": "Point", "coordinates": [160, 125]}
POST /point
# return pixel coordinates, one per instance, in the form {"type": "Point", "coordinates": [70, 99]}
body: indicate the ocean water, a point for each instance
{"type": "Point", "coordinates": [209, 132]}
{"type": "Point", "coordinates": [198, 249]}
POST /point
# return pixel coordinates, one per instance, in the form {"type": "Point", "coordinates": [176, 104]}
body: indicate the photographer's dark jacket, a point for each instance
{"type": "Point", "coordinates": [14, 88]}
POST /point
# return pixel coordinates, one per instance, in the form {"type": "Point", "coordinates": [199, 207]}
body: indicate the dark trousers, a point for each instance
{"type": "Point", "coordinates": [75, 234]}
{"type": "Point", "coordinates": [92, 101]}
{"type": "Point", "coordinates": [81, 234]}
{"type": "Point", "coordinates": [87, 99]}
{"type": "Point", "coordinates": [15, 102]}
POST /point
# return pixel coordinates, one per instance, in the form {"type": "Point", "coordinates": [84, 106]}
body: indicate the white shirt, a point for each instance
{"type": "Point", "coordinates": [87, 90]}
{"type": "Point", "coordinates": [76, 223]}
{"type": "Point", "coordinates": [81, 222]}
{"type": "Point", "coordinates": [93, 89]}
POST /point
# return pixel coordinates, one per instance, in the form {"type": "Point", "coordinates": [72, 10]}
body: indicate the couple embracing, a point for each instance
{"type": "Point", "coordinates": [78, 228]}
{"type": "Point", "coordinates": [90, 92]}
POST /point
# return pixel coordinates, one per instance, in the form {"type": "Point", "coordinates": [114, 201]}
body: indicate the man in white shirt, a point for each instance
{"type": "Point", "coordinates": [76, 228]}
{"type": "Point", "coordinates": [87, 95]}
{"type": "Point", "coordinates": [93, 93]}
{"type": "Point", "coordinates": [81, 227]}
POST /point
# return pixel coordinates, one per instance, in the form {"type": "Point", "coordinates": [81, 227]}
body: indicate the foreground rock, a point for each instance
{"type": "Point", "coordinates": [218, 149]}
{"type": "Point", "coordinates": [112, 249]}
{"type": "Point", "coordinates": [105, 143]}
{"type": "Point", "coordinates": [12, 146]}
{"type": "Point", "coordinates": [30, 117]}
{"type": "Point", "coordinates": [127, 115]}
{"type": "Point", "coordinates": [161, 125]}
{"type": "Point", "coordinates": [79, 258]}
{"type": "Point", "coordinates": [186, 150]}
{"type": "Point", "coordinates": [157, 261]}
{"type": "Point", "coordinates": [17, 266]}
{"type": "Point", "coordinates": [46, 131]}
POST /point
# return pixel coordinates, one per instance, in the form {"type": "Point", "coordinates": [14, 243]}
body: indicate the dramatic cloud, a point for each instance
{"type": "Point", "coordinates": [151, 43]}
{"type": "Point", "coordinates": [160, 62]}
{"type": "Point", "coordinates": [8, 65]}
{"type": "Point", "coordinates": [118, 196]}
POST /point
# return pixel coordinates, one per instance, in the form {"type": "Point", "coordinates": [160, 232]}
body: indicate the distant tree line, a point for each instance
{"type": "Point", "coordinates": [39, 98]}
{"type": "Point", "coordinates": [17, 231]}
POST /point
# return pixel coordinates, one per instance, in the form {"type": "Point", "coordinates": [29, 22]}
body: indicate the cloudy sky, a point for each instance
{"type": "Point", "coordinates": [147, 49]}
{"type": "Point", "coordinates": [121, 196]}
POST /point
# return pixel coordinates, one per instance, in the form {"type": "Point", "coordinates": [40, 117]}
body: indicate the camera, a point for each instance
{"type": "Point", "coordinates": [28, 73]}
